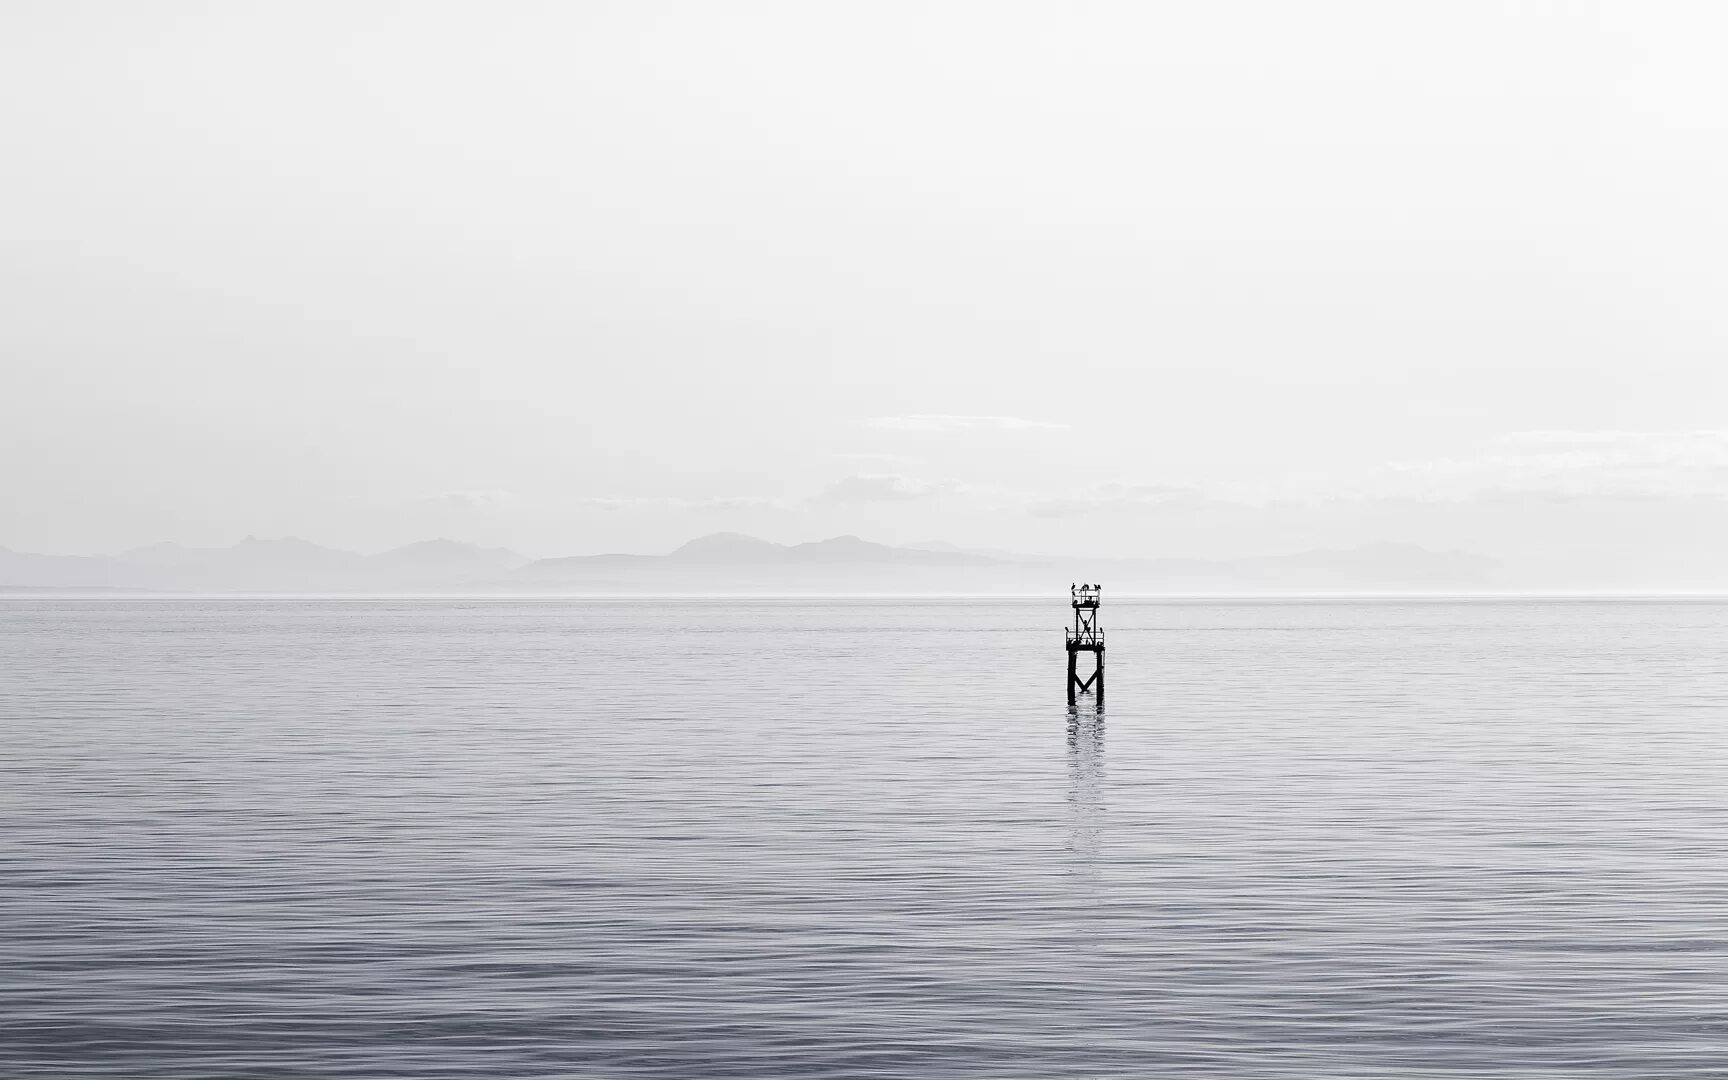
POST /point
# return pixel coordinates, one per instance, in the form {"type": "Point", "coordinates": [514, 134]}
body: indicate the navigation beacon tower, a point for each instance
{"type": "Point", "coordinates": [1085, 637]}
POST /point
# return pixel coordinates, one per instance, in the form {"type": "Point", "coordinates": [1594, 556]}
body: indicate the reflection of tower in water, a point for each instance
{"type": "Point", "coordinates": [1086, 788]}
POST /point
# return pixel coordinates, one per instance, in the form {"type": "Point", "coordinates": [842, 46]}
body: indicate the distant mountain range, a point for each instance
{"type": "Point", "coordinates": [731, 563]}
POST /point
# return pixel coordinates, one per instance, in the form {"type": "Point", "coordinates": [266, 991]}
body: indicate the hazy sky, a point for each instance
{"type": "Point", "coordinates": [1179, 278]}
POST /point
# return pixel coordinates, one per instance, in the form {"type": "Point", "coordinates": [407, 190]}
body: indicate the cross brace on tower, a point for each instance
{"type": "Point", "coordinates": [1085, 636]}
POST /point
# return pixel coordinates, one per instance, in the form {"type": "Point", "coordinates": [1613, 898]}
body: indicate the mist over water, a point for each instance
{"type": "Point", "coordinates": [554, 838]}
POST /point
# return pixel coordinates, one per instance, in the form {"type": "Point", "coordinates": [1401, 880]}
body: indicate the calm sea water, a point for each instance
{"type": "Point", "coordinates": [439, 839]}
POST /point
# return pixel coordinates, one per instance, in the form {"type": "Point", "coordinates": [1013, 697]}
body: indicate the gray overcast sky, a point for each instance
{"type": "Point", "coordinates": [1173, 278]}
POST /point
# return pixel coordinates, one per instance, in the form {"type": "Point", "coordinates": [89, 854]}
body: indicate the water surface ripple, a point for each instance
{"type": "Point", "coordinates": [453, 839]}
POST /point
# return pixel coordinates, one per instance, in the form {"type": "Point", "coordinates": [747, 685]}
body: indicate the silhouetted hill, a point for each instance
{"type": "Point", "coordinates": [850, 550]}
{"type": "Point", "coordinates": [1369, 565]}
{"type": "Point", "coordinates": [36, 571]}
{"type": "Point", "coordinates": [170, 554]}
{"type": "Point", "coordinates": [446, 558]}
{"type": "Point", "coordinates": [722, 549]}
{"type": "Point", "coordinates": [994, 554]}
{"type": "Point", "coordinates": [729, 547]}
{"type": "Point", "coordinates": [732, 562]}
